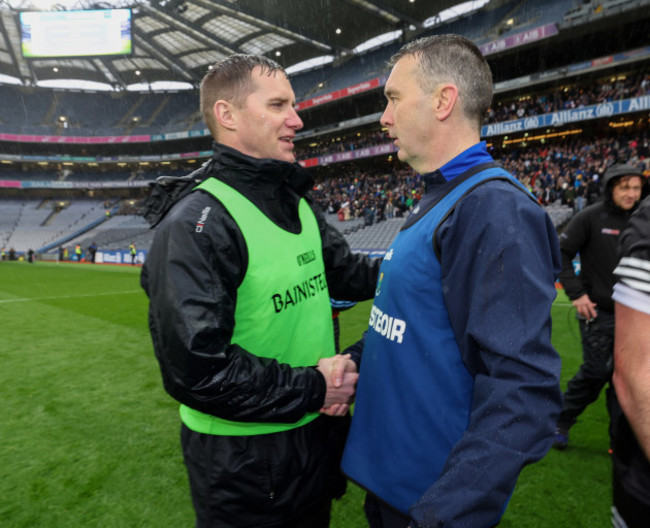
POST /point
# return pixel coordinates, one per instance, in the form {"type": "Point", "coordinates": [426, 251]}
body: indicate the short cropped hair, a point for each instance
{"type": "Point", "coordinates": [230, 79]}
{"type": "Point", "coordinates": [457, 60]}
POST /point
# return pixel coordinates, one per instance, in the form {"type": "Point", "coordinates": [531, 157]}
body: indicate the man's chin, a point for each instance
{"type": "Point", "coordinates": [289, 156]}
{"type": "Point", "coordinates": [284, 156]}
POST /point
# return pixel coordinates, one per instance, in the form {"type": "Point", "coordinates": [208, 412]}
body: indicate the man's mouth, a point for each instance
{"type": "Point", "coordinates": [287, 139]}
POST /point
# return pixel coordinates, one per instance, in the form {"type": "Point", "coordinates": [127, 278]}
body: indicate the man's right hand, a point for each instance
{"type": "Point", "coordinates": [585, 307]}
{"type": "Point", "coordinates": [341, 377]}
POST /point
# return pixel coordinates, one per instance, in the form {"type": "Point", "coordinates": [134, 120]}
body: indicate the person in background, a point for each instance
{"type": "Point", "coordinates": [593, 234]}
{"type": "Point", "coordinates": [459, 383]}
{"type": "Point", "coordinates": [581, 191]}
{"type": "Point", "coordinates": [339, 306]}
{"type": "Point", "coordinates": [239, 277]}
{"type": "Point", "coordinates": [92, 250]}
{"type": "Point", "coordinates": [631, 444]}
{"type": "Point", "coordinates": [133, 252]}
{"type": "Point", "coordinates": [78, 252]}
{"type": "Point", "coordinates": [593, 189]}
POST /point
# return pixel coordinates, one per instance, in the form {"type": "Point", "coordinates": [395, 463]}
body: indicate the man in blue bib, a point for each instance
{"type": "Point", "coordinates": [459, 383]}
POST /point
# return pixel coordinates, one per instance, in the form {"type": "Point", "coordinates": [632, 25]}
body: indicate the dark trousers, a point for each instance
{"type": "Point", "coordinates": [276, 480]}
{"type": "Point", "coordinates": [631, 475]}
{"type": "Point", "coordinates": [381, 515]}
{"type": "Point", "coordinates": [595, 371]}
{"type": "Point", "coordinates": [317, 517]}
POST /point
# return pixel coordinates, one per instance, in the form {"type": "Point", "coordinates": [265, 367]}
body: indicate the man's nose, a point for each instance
{"type": "Point", "coordinates": [294, 120]}
{"type": "Point", "coordinates": [386, 118]}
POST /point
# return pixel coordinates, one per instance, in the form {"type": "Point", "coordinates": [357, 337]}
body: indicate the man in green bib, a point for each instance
{"type": "Point", "coordinates": [239, 277]}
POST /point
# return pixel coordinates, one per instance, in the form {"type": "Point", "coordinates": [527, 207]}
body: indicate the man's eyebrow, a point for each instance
{"type": "Point", "coordinates": [279, 99]}
{"type": "Point", "coordinates": [390, 91]}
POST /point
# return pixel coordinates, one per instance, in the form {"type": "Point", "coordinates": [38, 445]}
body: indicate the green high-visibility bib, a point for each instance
{"type": "Point", "coordinates": [282, 310]}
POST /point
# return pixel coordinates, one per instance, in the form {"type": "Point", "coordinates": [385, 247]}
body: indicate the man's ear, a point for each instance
{"type": "Point", "coordinates": [444, 100]}
{"type": "Point", "coordinates": [224, 114]}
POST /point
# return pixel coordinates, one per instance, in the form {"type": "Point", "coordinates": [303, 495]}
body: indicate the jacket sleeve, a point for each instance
{"type": "Point", "coordinates": [574, 237]}
{"type": "Point", "coordinates": [350, 276]}
{"type": "Point", "coordinates": [191, 277]}
{"type": "Point", "coordinates": [499, 259]}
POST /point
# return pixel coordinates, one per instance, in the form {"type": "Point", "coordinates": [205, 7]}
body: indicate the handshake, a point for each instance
{"type": "Point", "coordinates": [341, 376]}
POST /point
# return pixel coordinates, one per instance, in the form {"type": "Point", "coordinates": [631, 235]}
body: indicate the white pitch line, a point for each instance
{"type": "Point", "coordinates": [27, 299]}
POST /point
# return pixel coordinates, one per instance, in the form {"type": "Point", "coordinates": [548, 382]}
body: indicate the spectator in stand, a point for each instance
{"type": "Point", "coordinates": [593, 189]}
{"type": "Point", "coordinates": [580, 191]}
{"type": "Point", "coordinates": [568, 195]}
{"type": "Point", "coordinates": [593, 234]}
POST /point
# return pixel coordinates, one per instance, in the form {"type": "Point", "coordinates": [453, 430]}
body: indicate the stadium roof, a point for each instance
{"type": "Point", "coordinates": [177, 40]}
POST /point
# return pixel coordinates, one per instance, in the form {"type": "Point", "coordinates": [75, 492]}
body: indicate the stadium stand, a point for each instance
{"type": "Point", "coordinates": [376, 237]}
{"type": "Point", "coordinates": [37, 223]}
{"type": "Point", "coordinates": [567, 159]}
{"type": "Point", "coordinates": [116, 233]}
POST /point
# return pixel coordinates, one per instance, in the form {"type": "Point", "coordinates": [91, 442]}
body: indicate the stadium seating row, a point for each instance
{"type": "Point", "coordinates": [25, 225]}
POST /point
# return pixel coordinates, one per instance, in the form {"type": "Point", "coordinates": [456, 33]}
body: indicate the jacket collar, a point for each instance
{"type": "Point", "coordinates": [265, 176]}
{"type": "Point", "coordinates": [474, 155]}
{"type": "Point", "coordinates": [262, 172]}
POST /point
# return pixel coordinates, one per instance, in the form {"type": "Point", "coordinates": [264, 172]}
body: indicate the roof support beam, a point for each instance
{"type": "Point", "coordinates": [23, 66]}
{"type": "Point", "coordinates": [194, 32]}
{"type": "Point", "coordinates": [167, 59]}
{"type": "Point", "coordinates": [253, 20]}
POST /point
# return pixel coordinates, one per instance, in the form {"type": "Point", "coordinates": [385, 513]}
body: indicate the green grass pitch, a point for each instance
{"type": "Point", "coordinates": [89, 438]}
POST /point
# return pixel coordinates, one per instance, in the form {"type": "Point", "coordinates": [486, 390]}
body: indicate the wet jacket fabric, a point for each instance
{"type": "Point", "coordinates": [197, 261]}
{"type": "Point", "coordinates": [478, 378]}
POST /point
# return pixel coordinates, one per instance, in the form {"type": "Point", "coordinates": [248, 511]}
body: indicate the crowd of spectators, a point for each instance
{"type": "Point", "coordinates": [373, 196]}
{"type": "Point", "coordinates": [569, 98]}
{"type": "Point", "coordinates": [344, 143]}
{"type": "Point", "coordinates": [568, 171]}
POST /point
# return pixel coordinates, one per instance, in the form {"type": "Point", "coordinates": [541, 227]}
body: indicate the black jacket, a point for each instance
{"type": "Point", "coordinates": [193, 270]}
{"type": "Point", "coordinates": [196, 263]}
{"type": "Point", "coordinates": [593, 233]}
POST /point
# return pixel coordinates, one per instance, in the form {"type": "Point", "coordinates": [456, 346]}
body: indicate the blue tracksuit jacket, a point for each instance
{"type": "Point", "coordinates": [459, 384]}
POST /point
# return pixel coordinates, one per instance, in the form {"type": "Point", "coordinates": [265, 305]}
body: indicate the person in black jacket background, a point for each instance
{"type": "Point", "coordinates": [257, 451]}
{"type": "Point", "coordinates": [593, 234]}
